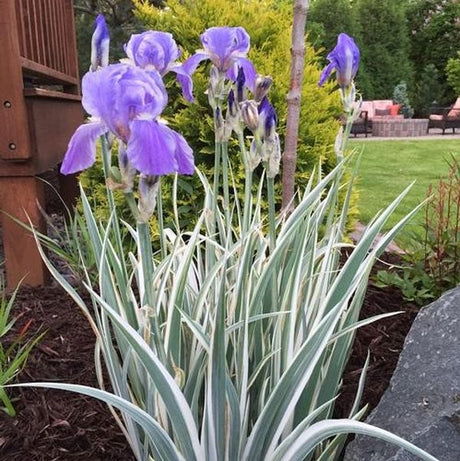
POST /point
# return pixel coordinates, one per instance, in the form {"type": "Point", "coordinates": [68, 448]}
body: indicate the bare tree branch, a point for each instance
{"type": "Point", "coordinates": [294, 99]}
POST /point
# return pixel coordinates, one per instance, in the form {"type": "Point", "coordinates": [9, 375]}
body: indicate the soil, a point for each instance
{"type": "Point", "coordinates": [56, 425]}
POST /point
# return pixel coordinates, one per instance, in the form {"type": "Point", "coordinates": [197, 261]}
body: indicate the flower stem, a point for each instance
{"type": "Point", "coordinates": [271, 213]}
{"type": "Point", "coordinates": [146, 256]}
{"type": "Point", "coordinates": [224, 151]}
{"type": "Point", "coordinates": [247, 184]}
{"type": "Point", "coordinates": [215, 191]}
{"type": "Point", "coordinates": [106, 164]}
{"type": "Point", "coordinates": [161, 221]}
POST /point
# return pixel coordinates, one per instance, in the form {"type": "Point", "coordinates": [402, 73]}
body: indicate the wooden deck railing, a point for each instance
{"type": "Point", "coordinates": [44, 28]}
{"type": "Point", "coordinates": [40, 109]}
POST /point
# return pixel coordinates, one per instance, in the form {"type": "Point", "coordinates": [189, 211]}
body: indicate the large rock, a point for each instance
{"type": "Point", "coordinates": [422, 402]}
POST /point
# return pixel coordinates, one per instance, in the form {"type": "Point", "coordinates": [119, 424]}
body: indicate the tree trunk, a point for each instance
{"type": "Point", "coordinates": [293, 100]}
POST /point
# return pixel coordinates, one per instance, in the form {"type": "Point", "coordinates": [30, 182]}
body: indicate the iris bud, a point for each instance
{"type": "Point", "coordinates": [100, 44]}
{"type": "Point", "coordinates": [148, 190]}
{"type": "Point", "coordinates": [262, 87]}
{"type": "Point", "coordinates": [250, 114]}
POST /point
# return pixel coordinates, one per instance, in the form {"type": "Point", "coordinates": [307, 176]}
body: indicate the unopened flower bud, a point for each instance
{"type": "Point", "coordinates": [148, 190]}
{"type": "Point", "coordinates": [219, 124]}
{"type": "Point", "coordinates": [262, 87]}
{"type": "Point", "coordinates": [100, 44]}
{"type": "Point", "coordinates": [254, 155]}
{"type": "Point", "coordinates": [232, 107]}
{"type": "Point", "coordinates": [267, 119]}
{"type": "Point", "coordinates": [273, 156]}
{"type": "Point", "coordinates": [232, 120]}
{"type": "Point", "coordinates": [240, 88]}
{"type": "Point", "coordinates": [127, 172]}
{"type": "Point", "coordinates": [250, 114]}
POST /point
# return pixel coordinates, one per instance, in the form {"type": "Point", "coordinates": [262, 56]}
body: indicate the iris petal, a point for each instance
{"type": "Point", "coordinates": [183, 154]}
{"type": "Point", "coordinates": [250, 73]}
{"type": "Point", "coordinates": [193, 62]}
{"type": "Point", "coordinates": [185, 82]}
{"type": "Point", "coordinates": [344, 58]}
{"type": "Point", "coordinates": [155, 149]}
{"type": "Point", "coordinates": [153, 49]}
{"type": "Point", "coordinates": [325, 73]}
{"type": "Point", "coordinates": [225, 44]}
{"type": "Point", "coordinates": [81, 152]}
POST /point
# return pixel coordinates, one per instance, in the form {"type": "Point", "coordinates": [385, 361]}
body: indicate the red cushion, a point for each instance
{"type": "Point", "coordinates": [394, 109]}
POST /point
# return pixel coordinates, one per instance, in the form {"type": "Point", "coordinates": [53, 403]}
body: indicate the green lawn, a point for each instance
{"type": "Point", "coordinates": [387, 167]}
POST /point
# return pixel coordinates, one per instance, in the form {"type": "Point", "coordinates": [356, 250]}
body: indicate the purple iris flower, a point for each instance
{"type": "Point", "coordinates": [127, 101]}
{"type": "Point", "coordinates": [100, 44]}
{"type": "Point", "coordinates": [344, 58]}
{"type": "Point", "coordinates": [154, 50]}
{"type": "Point", "coordinates": [227, 48]}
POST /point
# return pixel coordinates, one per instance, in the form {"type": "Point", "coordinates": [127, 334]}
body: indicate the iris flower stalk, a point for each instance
{"type": "Point", "coordinates": [227, 49]}
{"type": "Point", "coordinates": [125, 101]}
{"type": "Point", "coordinates": [344, 60]}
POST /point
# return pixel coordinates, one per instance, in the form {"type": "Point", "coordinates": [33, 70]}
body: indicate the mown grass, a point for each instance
{"type": "Point", "coordinates": [387, 167]}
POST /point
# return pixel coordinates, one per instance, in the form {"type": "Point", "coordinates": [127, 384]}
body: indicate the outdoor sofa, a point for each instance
{"type": "Point", "coordinates": [374, 110]}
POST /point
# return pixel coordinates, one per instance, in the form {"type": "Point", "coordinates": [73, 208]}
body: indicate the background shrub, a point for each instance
{"type": "Point", "coordinates": [383, 38]}
{"type": "Point", "coordinates": [400, 96]}
{"type": "Point", "coordinates": [327, 19]}
{"type": "Point", "coordinates": [453, 73]}
{"type": "Point", "coordinates": [434, 37]}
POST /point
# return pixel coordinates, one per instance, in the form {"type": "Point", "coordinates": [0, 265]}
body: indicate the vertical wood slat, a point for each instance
{"type": "Point", "coordinates": [33, 34]}
{"type": "Point", "coordinates": [36, 32]}
{"type": "Point", "coordinates": [41, 20]}
{"type": "Point", "coordinates": [61, 37]}
{"type": "Point", "coordinates": [65, 13]}
{"type": "Point", "coordinates": [72, 44]}
{"type": "Point", "coordinates": [46, 32]}
{"type": "Point", "coordinates": [21, 26]}
{"type": "Point", "coordinates": [28, 29]}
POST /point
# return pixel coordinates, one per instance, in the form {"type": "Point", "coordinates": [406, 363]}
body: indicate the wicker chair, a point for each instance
{"type": "Point", "coordinates": [445, 117]}
{"type": "Point", "coordinates": [362, 124]}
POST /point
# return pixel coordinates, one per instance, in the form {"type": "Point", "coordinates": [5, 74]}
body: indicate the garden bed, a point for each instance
{"type": "Point", "coordinates": [57, 425]}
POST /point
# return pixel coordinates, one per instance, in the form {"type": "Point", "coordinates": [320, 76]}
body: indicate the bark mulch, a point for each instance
{"type": "Point", "coordinates": [55, 425]}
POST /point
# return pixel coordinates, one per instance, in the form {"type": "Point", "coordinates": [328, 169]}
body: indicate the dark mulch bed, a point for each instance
{"type": "Point", "coordinates": [56, 425]}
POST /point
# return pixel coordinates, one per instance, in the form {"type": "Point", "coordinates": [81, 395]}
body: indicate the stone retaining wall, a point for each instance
{"type": "Point", "coordinates": [399, 128]}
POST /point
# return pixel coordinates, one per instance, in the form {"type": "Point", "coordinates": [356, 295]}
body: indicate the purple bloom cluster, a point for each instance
{"type": "Point", "coordinates": [227, 48]}
{"type": "Point", "coordinates": [127, 101]}
{"type": "Point", "coordinates": [154, 50]}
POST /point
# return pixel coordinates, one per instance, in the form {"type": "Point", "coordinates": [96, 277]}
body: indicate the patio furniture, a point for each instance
{"type": "Point", "coordinates": [400, 128]}
{"type": "Point", "coordinates": [362, 124]}
{"type": "Point", "coordinates": [445, 117]}
{"type": "Point", "coordinates": [40, 107]}
{"type": "Point", "coordinates": [374, 110]}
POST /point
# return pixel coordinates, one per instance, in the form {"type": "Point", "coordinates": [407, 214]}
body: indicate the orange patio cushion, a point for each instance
{"type": "Point", "coordinates": [395, 109]}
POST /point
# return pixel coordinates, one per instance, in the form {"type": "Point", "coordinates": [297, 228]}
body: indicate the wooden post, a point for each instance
{"type": "Point", "coordinates": [21, 198]}
{"type": "Point", "coordinates": [14, 134]}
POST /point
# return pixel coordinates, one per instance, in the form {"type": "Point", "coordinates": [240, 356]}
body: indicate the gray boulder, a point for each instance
{"type": "Point", "coordinates": [422, 402]}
